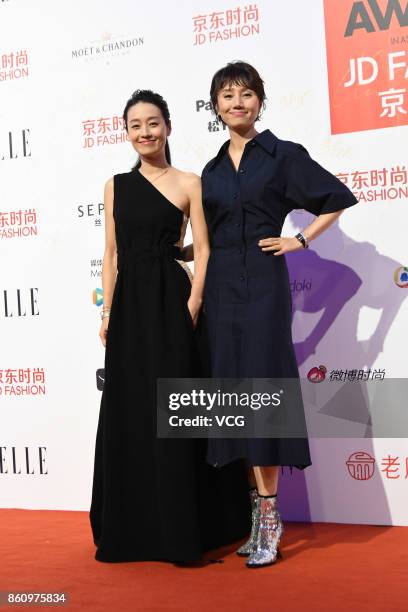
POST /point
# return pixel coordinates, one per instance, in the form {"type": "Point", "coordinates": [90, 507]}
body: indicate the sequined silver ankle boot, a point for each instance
{"type": "Point", "coordinates": [269, 534]}
{"type": "Point", "coordinates": [250, 545]}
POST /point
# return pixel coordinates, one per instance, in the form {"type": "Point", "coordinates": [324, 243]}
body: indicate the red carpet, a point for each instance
{"type": "Point", "coordinates": [325, 567]}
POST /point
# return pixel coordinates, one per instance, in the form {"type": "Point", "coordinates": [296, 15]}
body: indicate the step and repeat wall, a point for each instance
{"type": "Point", "coordinates": [336, 81]}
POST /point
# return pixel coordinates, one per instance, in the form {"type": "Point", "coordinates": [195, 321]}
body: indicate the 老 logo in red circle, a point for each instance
{"type": "Point", "coordinates": [361, 465]}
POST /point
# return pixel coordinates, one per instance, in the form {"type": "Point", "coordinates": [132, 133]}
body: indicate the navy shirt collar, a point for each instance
{"type": "Point", "coordinates": [265, 139]}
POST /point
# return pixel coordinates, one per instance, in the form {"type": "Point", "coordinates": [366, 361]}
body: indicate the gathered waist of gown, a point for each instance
{"type": "Point", "coordinates": [147, 252]}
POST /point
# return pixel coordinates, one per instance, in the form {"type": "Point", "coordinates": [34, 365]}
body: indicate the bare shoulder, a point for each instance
{"type": "Point", "coordinates": [109, 196]}
{"type": "Point", "coordinates": [109, 184]}
{"type": "Point", "coordinates": [189, 179]}
{"type": "Point", "coordinates": [190, 182]}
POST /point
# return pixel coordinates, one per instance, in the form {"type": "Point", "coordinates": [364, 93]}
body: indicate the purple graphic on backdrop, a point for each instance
{"type": "Point", "coordinates": [367, 281]}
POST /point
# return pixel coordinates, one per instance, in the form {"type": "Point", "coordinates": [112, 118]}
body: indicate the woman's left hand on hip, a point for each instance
{"type": "Point", "coordinates": [280, 245]}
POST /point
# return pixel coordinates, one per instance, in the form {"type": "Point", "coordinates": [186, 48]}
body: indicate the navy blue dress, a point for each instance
{"type": "Point", "coordinates": [247, 293]}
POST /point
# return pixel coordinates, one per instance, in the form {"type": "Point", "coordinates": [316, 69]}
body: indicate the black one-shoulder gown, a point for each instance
{"type": "Point", "coordinates": [152, 498]}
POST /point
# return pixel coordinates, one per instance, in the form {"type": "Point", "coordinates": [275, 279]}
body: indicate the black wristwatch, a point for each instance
{"type": "Point", "coordinates": [303, 240]}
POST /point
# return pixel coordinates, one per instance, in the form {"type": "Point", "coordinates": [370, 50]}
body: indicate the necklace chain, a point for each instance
{"type": "Point", "coordinates": [159, 175]}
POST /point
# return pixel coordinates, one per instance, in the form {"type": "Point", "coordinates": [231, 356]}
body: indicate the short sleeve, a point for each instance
{"type": "Point", "coordinates": [311, 187]}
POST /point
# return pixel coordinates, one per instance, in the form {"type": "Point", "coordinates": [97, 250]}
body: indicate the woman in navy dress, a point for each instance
{"type": "Point", "coordinates": [254, 181]}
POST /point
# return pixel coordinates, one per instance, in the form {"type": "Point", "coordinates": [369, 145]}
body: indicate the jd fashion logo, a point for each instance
{"type": "Point", "coordinates": [14, 65]}
{"type": "Point", "coordinates": [19, 382]}
{"type": "Point", "coordinates": [367, 88]}
{"type": "Point", "coordinates": [18, 223]}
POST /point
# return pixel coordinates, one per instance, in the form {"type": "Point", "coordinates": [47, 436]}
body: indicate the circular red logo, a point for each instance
{"type": "Point", "coordinates": [317, 374]}
{"type": "Point", "coordinates": [361, 465]}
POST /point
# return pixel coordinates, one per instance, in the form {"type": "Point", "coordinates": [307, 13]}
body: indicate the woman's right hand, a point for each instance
{"type": "Point", "coordinates": [104, 330]}
{"type": "Point", "coordinates": [187, 253]}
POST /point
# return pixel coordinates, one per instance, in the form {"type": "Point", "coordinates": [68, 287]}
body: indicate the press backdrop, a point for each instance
{"type": "Point", "coordinates": [336, 75]}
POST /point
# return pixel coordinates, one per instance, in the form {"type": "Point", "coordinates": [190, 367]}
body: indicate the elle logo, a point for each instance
{"type": "Point", "coordinates": [20, 303]}
{"type": "Point", "coordinates": [14, 460]}
{"type": "Point", "coordinates": [14, 145]}
{"type": "Point", "coordinates": [360, 18]}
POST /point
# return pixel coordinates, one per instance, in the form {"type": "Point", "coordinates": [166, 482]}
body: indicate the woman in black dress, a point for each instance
{"type": "Point", "coordinates": [153, 498]}
{"type": "Point", "coordinates": [255, 180]}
